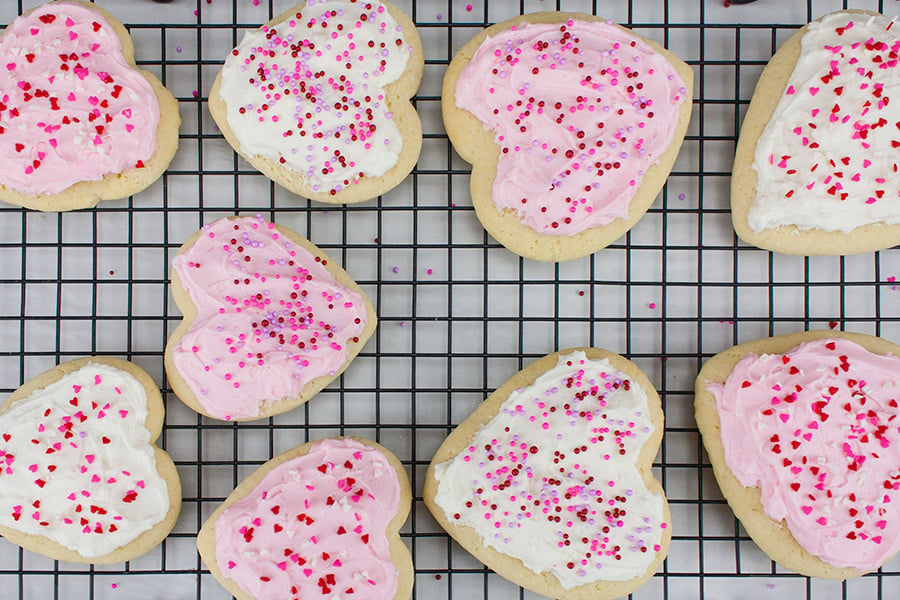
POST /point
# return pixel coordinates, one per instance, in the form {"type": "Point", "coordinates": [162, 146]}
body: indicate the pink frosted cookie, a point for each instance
{"type": "Point", "coordinates": [571, 123]}
{"type": "Point", "coordinates": [318, 99]}
{"type": "Point", "coordinates": [803, 437]}
{"type": "Point", "coordinates": [815, 170]}
{"type": "Point", "coordinates": [79, 122]}
{"type": "Point", "coordinates": [80, 478]}
{"type": "Point", "coordinates": [319, 521]}
{"type": "Point", "coordinates": [269, 320]}
{"type": "Point", "coordinates": [548, 482]}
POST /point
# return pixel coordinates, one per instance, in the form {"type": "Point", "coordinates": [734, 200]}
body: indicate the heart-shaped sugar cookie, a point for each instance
{"type": "Point", "coordinates": [79, 122]}
{"type": "Point", "coordinates": [322, 519]}
{"type": "Point", "coordinates": [801, 431]}
{"type": "Point", "coordinates": [318, 99]}
{"type": "Point", "coordinates": [548, 482]}
{"type": "Point", "coordinates": [80, 478]}
{"type": "Point", "coordinates": [815, 165]}
{"type": "Point", "coordinates": [571, 124]}
{"type": "Point", "coordinates": [269, 320]}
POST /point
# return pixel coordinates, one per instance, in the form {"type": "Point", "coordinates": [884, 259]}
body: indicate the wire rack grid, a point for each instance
{"type": "Point", "coordinates": [459, 314]}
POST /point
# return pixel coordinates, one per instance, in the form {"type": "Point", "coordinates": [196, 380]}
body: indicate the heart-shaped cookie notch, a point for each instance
{"type": "Point", "coordinates": [548, 482]}
{"type": "Point", "coordinates": [80, 477]}
{"type": "Point", "coordinates": [322, 519]}
{"type": "Point", "coordinates": [269, 320]}
{"type": "Point", "coordinates": [79, 121]}
{"type": "Point", "coordinates": [572, 125]}
{"type": "Point", "coordinates": [801, 433]}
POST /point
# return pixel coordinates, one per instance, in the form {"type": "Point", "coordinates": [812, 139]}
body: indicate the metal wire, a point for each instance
{"type": "Point", "coordinates": [458, 313]}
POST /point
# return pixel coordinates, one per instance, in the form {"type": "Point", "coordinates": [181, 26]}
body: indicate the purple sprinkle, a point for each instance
{"type": "Point", "coordinates": [396, 269]}
{"type": "Point", "coordinates": [681, 196]}
{"type": "Point", "coordinates": [178, 49]}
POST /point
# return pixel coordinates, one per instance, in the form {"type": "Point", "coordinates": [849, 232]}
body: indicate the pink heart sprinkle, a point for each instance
{"type": "Point", "coordinates": [95, 478]}
{"type": "Point", "coordinates": [806, 509]}
{"type": "Point", "coordinates": [822, 521]}
{"type": "Point", "coordinates": [307, 572]}
{"type": "Point", "coordinates": [32, 468]}
{"type": "Point", "coordinates": [231, 564]}
{"type": "Point", "coordinates": [807, 436]}
{"type": "Point", "coordinates": [813, 90]}
{"type": "Point", "coordinates": [69, 22]}
{"type": "Point", "coordinates": [282, 566]}
{"type": "Point", "coordinates": [73, 35]}
{"type": "Point", "coordinates": [126, 112]}
{"type": "Point", "coordinates": [784, 417]}
{"type": "Point", "coordinates": [35, 31]}
{"type": "Point", "coordinates": [795, 470]}
{"type": "Point", "coordinates": [89, 458]}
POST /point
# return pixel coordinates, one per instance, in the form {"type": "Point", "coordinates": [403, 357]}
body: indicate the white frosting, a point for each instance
{"type": "Point", "coordinates": [333, 105]}
{"type": "Point", "coordinates": [605, 419]}
{"type": "Point", "coordinates": [828, 157]}
{"type": "Point", "coordinates": [90, 477]}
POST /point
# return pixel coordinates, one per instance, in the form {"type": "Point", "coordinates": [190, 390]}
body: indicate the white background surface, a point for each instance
{"type": "Point", "coordinates": [676, 290]}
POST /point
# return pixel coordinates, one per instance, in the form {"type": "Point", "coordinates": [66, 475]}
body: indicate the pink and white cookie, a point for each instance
{"type": "Point", "coordinates": [79, 122]}
{"type": "Point", "coordinates": [318, 99]}
{"type": "Point", "coordinates": [571, 123]}
{"type": "Point", "coordinates": [803, 437]}
{"type": "Point", "coordinates": [80, 477]}
{"type": "Point", "coordinates": [319, 521]}
{"type": "Point", "coordinates": [548, 482]}
{"type": "Point", "coordinates": [269, 320]}
{"type": "Point", "coordinates": [815, 171]}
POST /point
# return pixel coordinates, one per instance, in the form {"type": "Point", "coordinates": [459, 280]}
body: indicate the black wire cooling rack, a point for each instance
{"type": "Point", "coordinates": [459, 314]}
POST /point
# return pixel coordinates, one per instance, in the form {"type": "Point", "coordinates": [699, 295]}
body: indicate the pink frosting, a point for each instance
{"type": "Point", "coordinates": [270, 317]}
{"type": "Point", "coordinates": [816, 430]}
{"type": "Point", "coordinates": [71, 107]}
{"type": "Point", "coordinates": [580, 109]}
{"type": "Point", "coordinates": [315, 527]}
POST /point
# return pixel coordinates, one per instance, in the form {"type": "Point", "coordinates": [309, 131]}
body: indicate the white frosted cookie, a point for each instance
{"type": "Point", "coordinates": [79, 122]}
{"type": "Point", "coordinates": [318, 99]}
{"type": "Point", "coordinates": [815, 171]}
{"type": "Point", "coordinates": [269, 320]}
{"type": "Point", "coordinates": [80, 477]}
{"type": "Point", "coordinates": [802, 435]}
{"type": "Point", "coordinates": [548, 482]}
{"type": "Point", "coordinates": [571, 123]}
{"type": "Point", "coordinates": [322, 519]}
